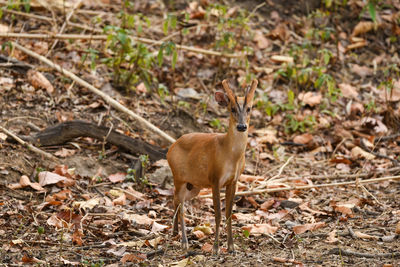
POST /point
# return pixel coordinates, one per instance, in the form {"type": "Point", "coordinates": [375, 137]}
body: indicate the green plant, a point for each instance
{"type": "Point", "coordinates": [170, 49]}
{"type": "Point", "coordinates": [131, 61]}
{"type": "Point", "coordinates": [292, 124]}
{"type": "Point", "coordinates": [215, 123]}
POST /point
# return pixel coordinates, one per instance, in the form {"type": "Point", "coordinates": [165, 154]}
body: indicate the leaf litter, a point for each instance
{"type": "Point", "coordinates": [109, 215]}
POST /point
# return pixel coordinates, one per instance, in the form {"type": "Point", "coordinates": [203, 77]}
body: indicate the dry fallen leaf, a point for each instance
{"type": "Point", "coordinates": [332, 237]}
{"type": "Point", "coordinates": [257, 229]}
{"type": "Point", "coordinates": [280, 32]}
{"type": "Point", "coordinates": [207, 247]}
{"type": "Point", "coordinates": [262, 42]}
{"type": "Point", "coordinates": [348, 90]}
{"type": "Point", "coordinates": [24, 182]}
{"type": "Point", "coordinates": [282, 59]}
{"type": "Point", "coordinates": [139, 219]}
{"type": "Point", "coordinates": [267, 204]}
{"type": "Point", "coordinates": [299, 229]}
{"type": "Point", "coordinates": [63, 152]}
{"type": "Point", "coordinates": [362, 71]}
{"type": "Point", "coordinates": [117, 177]}
{"type": "Point", "coordinates": [346, 209]}
{"type": "Point", "coordinates": [206, 229]}
{"type": "Point", "coordinates": [310, 98]}
{"type": "Point", "coordinates": [156, 227]}
{"type": "Point", "coordinates": [89, 204]}
{"type": "Point", "coordinates": [199, 234]}
{"type": "Point", "coordinates": [362, 27]}
{"type": "Point", "coordinates": [120, 201]}
{"type": "Point", "coordinates": [357, 153]}
{"type": "Point", "coordinates": [303, 138]}
{"type": "Point", "coordinates": [46, 178]}
{"type": "Point", "coordinates": [398, 228]}
{"type": "Point", "coordinates": [38, 80]}
{"type": "Point", "coordinates": [365, 236]}
{"type": "Point", "coordinates": [136, 258]}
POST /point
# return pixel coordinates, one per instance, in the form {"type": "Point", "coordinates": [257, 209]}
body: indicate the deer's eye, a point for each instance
{"type": "Point", "coordinates": [248, 109]}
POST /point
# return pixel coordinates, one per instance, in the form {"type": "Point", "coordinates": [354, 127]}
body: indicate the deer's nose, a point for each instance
{"type": "Point", "coordinates": [241, 127]}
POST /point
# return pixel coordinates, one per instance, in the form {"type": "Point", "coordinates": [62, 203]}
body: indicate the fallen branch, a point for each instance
{"type": "Point", "coordinates": [338, 251]}
{"type": "Point", "coordinates": [93, 89]}
{"type": "Point", "coordinates": [104, 37]}
{"type": "Point", "coordinates": [29, 146]}
{"type": "Point", "coordinates": [271, 190]}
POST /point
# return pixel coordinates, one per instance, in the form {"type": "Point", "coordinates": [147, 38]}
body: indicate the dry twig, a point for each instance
{"type": "Point", "coordinates": [106, 97]}
{"type": "Point", "coordinates": [270, 190]}
{"type": "Point", "coordinates": [104, 37]}
{"type": "Point", "coordinates": [29, 146]}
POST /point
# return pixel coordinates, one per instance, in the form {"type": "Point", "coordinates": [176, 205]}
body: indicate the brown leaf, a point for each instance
{"type": "Point", "coordinates": [134, 195]}
{"type": "Point", "coordinates": [398, 228]}
{"type": "Point", "coordinates": [303, 138]}
{"type": "Point", "coordinates": [356, 45]}
{"type": "Point", "coordinates": [305, 207]}
{"type": "Point", "coordinates": [267, 204]}
{"type": "Point", "coordinates": [348, 90]}
{"type": "Point", "coordinates": [46, 178]}
{"type": "Point", "coordinates": [362, 27]}
{"type": "Point", "coordinates": [199, 234]}
{"type": "Point", "coordinates": [120, 201]}
{"type": "Point", "coordinates": [207, 247]}
{"type": "Point", "coordinates": [262, 42]}
{"type": "Point", "coordinates": [346, 208]}
{"type": "Point", "coordinates": [310, 98]}
{"type": "Point", "coordinates": [24, 182]}
{"type": "Point", "coordinates": [136, 258]}
{"type": "Point", "coordinates": [63, 194]}
{"type": "Point", "coordinates": [63, 152]}
{"type": "Point", "coordinates": [139, 219]}
{"type": "Point", "coordinates": [299, 229]}
{"type": "Point", "coordinates": [38, 80]}
{"type": "Point", "coordinates": [77, 237]}
{"type": "Point", "coordinates": [156, 227]}
{"type": "Point", "coordinates": [280, 32]}
{"type": "Point", "coordinates": [332, 237]}
{"type": "Point", "coordinates": [357, 153]}
{"type": "Point", "coordinates": [365, 236]}
{"type": "Point", "coordinates": [282, 59]}
{"type": "Point", "coordinates": [264, 228]}
{"type": "Point", "coordinates": [362, 71]}
{"type": "Point", "coordinates": [117, 177]}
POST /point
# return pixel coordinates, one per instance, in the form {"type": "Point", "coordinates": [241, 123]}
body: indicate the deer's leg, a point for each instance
{"type": "Point", "coordinates": [230, 195]}
{"type": "Point", "coordinates": [217, 211]}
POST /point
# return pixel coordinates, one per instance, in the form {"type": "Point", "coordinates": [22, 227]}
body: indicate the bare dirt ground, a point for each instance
{"type": "Point", "coordinates": [96, 210]}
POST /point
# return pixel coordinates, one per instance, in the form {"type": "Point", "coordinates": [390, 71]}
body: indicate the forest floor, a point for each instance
{"type": "Point", "coordinates": [323, 145]}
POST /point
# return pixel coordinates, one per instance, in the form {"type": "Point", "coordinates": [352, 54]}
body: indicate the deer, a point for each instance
{"type": "Point", "coordinates": [212, 160]}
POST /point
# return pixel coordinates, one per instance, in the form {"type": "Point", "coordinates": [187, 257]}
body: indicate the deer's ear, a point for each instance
{"type": "Point", "coordinates": [221, 98]}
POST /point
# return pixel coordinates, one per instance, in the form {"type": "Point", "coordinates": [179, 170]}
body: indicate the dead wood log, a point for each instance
{"type": "Point", "coordinates": [69, 130]}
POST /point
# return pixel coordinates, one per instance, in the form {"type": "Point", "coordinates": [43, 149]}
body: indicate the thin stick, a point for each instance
{"type": "Point", "coordinates": [270, 190]}
{"type": "Point", "coordinates": [50, 20]}
{"type": "Point", "coordinates": [104, 37]}
{"type": "Point", "coordinates": [29, 146]}
{"type": "Point", "coordinates": [281, 169]}
{"type": "Point", "coordinates": [93, 89]}
{"type": "Point", "coordinates": [70, 14]}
